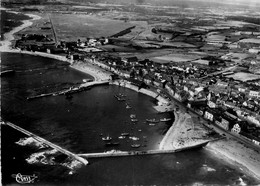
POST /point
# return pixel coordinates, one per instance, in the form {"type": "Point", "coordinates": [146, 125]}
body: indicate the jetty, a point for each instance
{"type": "Point", "coordinates": [43, 141]}
{"type": "Point", "coordinates": [71, 90]}
{"type": "Point", "coordinates": [116, 153]}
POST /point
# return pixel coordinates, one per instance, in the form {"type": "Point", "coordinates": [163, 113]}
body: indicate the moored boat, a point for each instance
{"type": "Point", "coordinates": [134, 138]}
{"type": "Point", "coordinates": [128, 107]}
{"type": "Point", "coordinates": [165, 119]}
{"type": "Point", "coordinates": [125, 134]}
{"type": "Point", "coordinates": [112, 144]}
{"type": "Point", "coordinates": [152, 120]}
{"type": "Point", "coordinates": [107, 138]}
{"type": "Point", "coordinates": [135, 145]}
{"type": "Point", "coordinates": [134, 120]}
{"type": "Point", "coordinates": [132, 116]}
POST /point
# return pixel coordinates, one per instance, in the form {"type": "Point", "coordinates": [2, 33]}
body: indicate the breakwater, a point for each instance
{"type": "Point", "coordinates": [138, 153]}
{"type": "Point", "coordinates": [82, 87]}
{"type": "Point", "coordinates": [43, 141]}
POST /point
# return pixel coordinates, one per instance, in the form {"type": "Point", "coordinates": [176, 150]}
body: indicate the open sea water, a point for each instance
{"type": "Point", "coordinates": [78, 125]}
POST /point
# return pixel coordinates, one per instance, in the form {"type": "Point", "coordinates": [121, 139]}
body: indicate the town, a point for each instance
{"type": "Point", "coordinates": [212, 65]}
{"type": "Point", "coordinates": [169, 88]}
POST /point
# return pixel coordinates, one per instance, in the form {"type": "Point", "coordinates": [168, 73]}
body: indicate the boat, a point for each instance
{"type": "Point", "coordinates": [165, 119]}
{"type": "Point", "coordinates": [152, 120]}
{"type": "Point", "coordinates": [135, 145]}
{"type": "Point", "coordinates": [128, 107]}
{"type": "Point", "coordinates": [108, 138]}
{"type": "Point", "coordinates": [87, 80]}
{"type": "Point", "coordinates": [125, 134]}
{"type": "Point", "coordinates": [132, 116]}
{"type": "Point", "coordinates": [121, 137]}
{"type": "Point", "coordinates": [122, 95]}
{"type": "Point", "coordinates": [119, 98]}
{"type": "Point", "coordinates": [134, 120]}
{"type": "Point", "coordinates": [134, 138]}
{"type": "Point", "coordinates": [151, 124]}
{"type": "Point", "coordinates": [112, 144]}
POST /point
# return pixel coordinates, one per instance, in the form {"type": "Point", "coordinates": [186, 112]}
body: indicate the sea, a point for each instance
{"type": "Point", "coordinates": [78, 125]}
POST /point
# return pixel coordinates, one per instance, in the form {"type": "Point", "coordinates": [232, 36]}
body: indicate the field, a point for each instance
{"type": "Point", "coordinates": [70, 27]}
{"type": "Point", "coordinates": [176, 58]}
{"type": "Point", "coordinates": [242, 76]}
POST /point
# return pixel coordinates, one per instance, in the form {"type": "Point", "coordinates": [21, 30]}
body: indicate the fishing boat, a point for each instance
{"type": "Point", "coordinates": [107, 138]}
{"type": "Point", "coordinates": [121, 137]}
{"type": "Point", "coordinates": [134, 138]}
{"type": "Point", "coordinates": [122, 95]}
{"type": "Point", "coordinates": [119, 98]}
{"type": "Point", "coordinates": [112, 144]}
{"type": "Point", "coordinates": [135, 145]}
{"type": "Point", "coordinates": [132, 116]}
{"type": "Point", "coordinates": [125, 134]}
{"type": "Point", "coordinates": [134, 120]}
{"type": "Point", "coordinates": [128, 107]}
{"type": "Point", "coordinates": [152, 120]}
{"type": "Point", "coordinates": [165, 119]}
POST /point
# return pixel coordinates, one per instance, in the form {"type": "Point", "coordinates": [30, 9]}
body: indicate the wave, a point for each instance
{"type": "Point", "coordinates": [54, 157]}
{"type": "Point", "coordinates": [30, 141]}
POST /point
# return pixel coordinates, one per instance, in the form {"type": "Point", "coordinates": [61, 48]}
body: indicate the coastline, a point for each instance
{"type": "Point", "coordinates": [5, 45]}
{"type": "Point", "coordinates": [184, 132]}
{"type": "Point", "coordinates": [232, 151]}
{"type": "Point", "coordinates": [227, 148]}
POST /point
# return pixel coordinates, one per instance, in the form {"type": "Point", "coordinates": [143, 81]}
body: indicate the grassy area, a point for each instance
{"type": "Point", "coordinates": [70, 27]}
{"type": "Point", "coordinates": [242, 76]}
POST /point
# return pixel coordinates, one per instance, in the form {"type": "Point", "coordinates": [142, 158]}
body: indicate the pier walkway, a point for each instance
{"type": "Point", "coordinates": [80, 88]}
{"type": "Point", "coordinates": [43, 141]}
{"type": "Point", "coordinates": [115, 153]}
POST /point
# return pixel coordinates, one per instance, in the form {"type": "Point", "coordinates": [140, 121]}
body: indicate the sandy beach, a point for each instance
{"type": "Point", "coordinates": [184, 132]}
{"type": "Point", "coordinates": [96, 72]}
{"type": "Point", "coordinates": [230, 150]}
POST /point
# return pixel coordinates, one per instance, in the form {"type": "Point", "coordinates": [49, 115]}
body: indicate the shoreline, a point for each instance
{"type": "Point", "coordinates": [100, 74]}
{"type": "Point", "coordinates": [5, 45]}
{"type": "Point", "coordinates": [230, 150]}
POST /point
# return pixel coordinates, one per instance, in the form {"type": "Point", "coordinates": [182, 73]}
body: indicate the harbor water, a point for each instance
{"type": "Point", "coordinates": [79, 123]}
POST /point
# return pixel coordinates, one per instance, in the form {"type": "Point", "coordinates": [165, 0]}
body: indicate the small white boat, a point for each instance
{"type": "Point", "coordinates": [151, 124]}
{"type": "Point", "coordinates": [135, 145]}
{"type": "Point", "coordinates": [134, 138]}
{"type": "Point", "coordinates": [152, 120]}
{"type": "Point", "coordinates": [165, 119]}
{"type": "Point", "coordinates": [121, 137]}
{"type": "Point", "coordinates": [107, 138]}
{"type": "Point", "coordinates": [128, 107]}
{"type": "Point", "coordinates": [132, 116]}
{"type": "Point", "coordinates": [124, 134]}
{"type": "Point", "coordinates": [134, 120]}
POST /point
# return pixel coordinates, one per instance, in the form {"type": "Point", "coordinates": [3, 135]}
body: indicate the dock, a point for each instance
{"type": "Point", "coordinates": [80, 88]}
{"type": "Point", "coordinates": [43, 141]}
{"type": "Point", "coordinates": [139, 153]}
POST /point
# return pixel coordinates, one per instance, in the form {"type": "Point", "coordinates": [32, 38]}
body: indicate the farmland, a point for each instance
{"type": "Point", "coordinates": [71, 27]}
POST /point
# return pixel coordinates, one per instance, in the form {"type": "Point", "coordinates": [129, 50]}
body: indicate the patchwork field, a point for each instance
{"type": "Point", "coordinates": [70, 27]}
{"type": "Point", "coordinates": [176, 58]}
